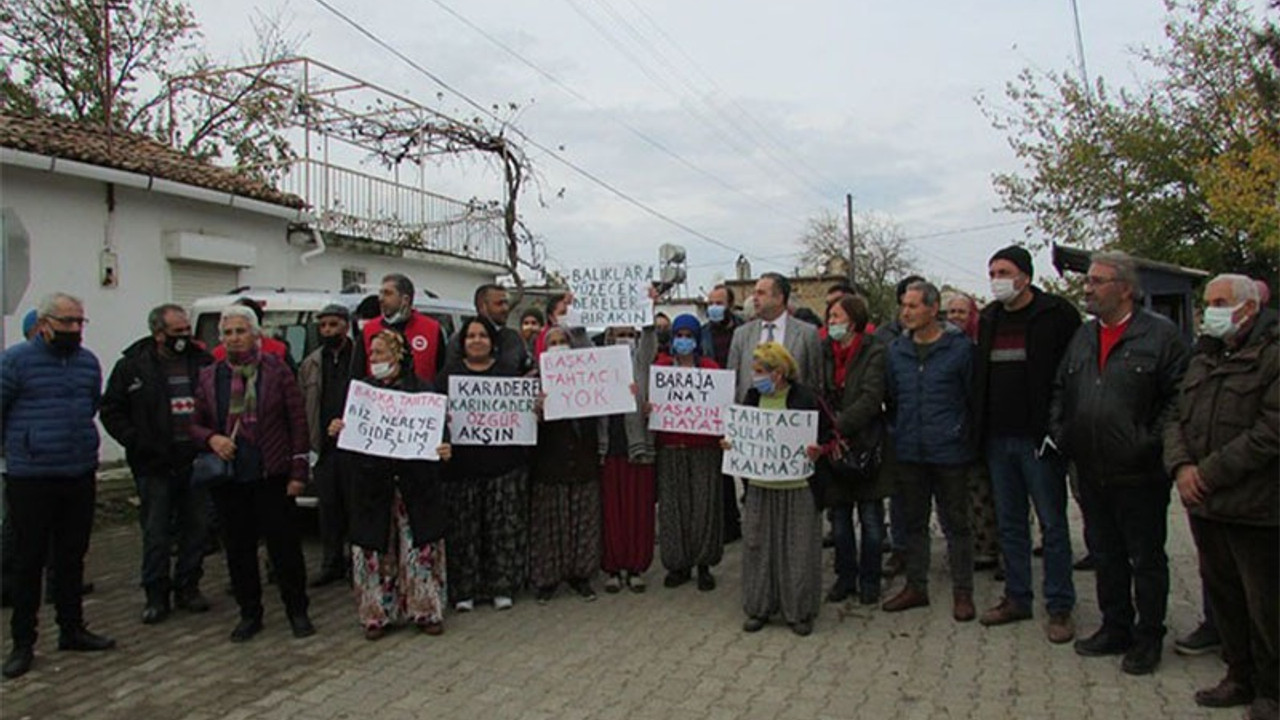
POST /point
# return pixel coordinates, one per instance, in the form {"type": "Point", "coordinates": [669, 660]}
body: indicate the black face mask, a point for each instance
{"type": "Point", "coordinates": [331, 341]}
{"type": "Point", "coordinates": [65, 342]}
{"type": "Point", "coordinates": [177, 344]}
{"type": "Point", "coordinates": [664, 337]}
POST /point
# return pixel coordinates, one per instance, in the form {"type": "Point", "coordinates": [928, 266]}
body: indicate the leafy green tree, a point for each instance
{"type": "Point", "coordinates": [1184, 168]}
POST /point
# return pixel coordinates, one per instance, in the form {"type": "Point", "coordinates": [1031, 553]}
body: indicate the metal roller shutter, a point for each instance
{"type": "Point", "coordinates": [190, 281]}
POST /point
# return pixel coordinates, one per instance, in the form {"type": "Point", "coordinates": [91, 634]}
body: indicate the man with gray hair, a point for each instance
{"type": "Point", "coordinates": [147, 408]}
{"type": "Point", "coordinates": [1114, 392]}
{"type": "Point", "coordinates": [1223, 449]}
{"type": "Point", "coordinates": [50, 387]}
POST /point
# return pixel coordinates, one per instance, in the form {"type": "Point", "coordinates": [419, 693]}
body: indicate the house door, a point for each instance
{"type": "Point", "coordinates": [189, 281]}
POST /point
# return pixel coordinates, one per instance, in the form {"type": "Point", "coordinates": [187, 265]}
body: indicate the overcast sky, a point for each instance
{"type": "Point", "coordinates": [780, 109]}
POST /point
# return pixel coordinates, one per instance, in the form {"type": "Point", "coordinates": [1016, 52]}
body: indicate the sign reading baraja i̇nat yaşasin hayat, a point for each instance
{"type": "Point", "coordinates": [769, 444]}
{"type": "Point", "coordinates": [587, 383]}
{"type": "Point", "coordinates": [492, 410]}
{"type": "Point", "coordinates": [391, 423]}
{"type": "Point", "coordinates": [612, 295]}
{"type": "Point", "coordinates": [689, 400]}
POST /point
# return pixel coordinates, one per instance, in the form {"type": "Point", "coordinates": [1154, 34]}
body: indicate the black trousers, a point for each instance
{"type": "Point", "coordinates": [331, 512]}
{"type": "Point", "coordinates": [262, 510]}
{"type": "Point", "coordinates": [1125, 528]}
{"type": "Point", "coordinates": [51, 519]}
{"type": "Point", "coordinates": [1238, 565]}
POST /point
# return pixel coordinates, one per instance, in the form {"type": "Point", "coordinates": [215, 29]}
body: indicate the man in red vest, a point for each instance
{"type": "Point", "coordinates": [424, 338]}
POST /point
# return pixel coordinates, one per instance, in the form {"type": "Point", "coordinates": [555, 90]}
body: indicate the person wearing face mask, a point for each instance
{"type": "Point", "coordinates": [250, 413]}
{"type": "Point", "coordinates": [782, 526]}
{"type": "Point", "coordinates": [323, 378]}
{"type": "Point", "coordinates": [487, 488]}
{"type": "Point", "coordinates": [148, 407]}
{"type": "Point", "coordinates": [565, 512]}
{"type": "Point", "coordinates": [662, 332]}
{"type": "Point", "coordinates": [627, 482]}
{"type": "Point", "coordinates": [1022, 338]}
{"type": "Point", "coordinates": [531, 323]}
{"type": "Point", "coordinates": [425, 343]}
{"type": "Point", "coordinates": [855, 369]}
{"type": "Point", "coordinates": [50, 388]}
{"type": "Point", "coordinates": [560, 313]}
{"type": "Point", "coordinates": [716, 337]}
{"type": "Point", "coordinates": [397, 516]}
{"type": "Point", "coordinates": [1222, 448]}
{"type": "Point", "coordinates": [688, 476]}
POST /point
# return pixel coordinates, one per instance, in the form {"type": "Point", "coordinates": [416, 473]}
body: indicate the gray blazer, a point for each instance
{"type": "Point", "coordinates": [801, 341]}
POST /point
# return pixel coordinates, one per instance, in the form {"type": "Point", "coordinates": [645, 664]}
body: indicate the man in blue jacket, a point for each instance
{"type": "Point", "coordinates": [930, 370]}
{"type": "Point", "coordinates": [50, 387]}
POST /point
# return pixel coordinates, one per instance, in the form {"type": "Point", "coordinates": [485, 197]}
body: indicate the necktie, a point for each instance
{"type": "Point", "coordinates": [768, 332]}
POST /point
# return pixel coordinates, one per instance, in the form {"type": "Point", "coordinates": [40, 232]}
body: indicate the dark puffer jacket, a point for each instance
{"type": "Point", "coordinates": [930, 399]}
{"type": "Point", "coordinates": [47, 402]}
{"type": "Point", "coordinates": [1110, 421]}
{"type": "Point", "coordinates": [1228, 426]}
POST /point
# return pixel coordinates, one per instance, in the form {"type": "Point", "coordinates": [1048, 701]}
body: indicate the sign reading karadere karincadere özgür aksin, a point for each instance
{"type": "Point", "coordinates": [492, 410]}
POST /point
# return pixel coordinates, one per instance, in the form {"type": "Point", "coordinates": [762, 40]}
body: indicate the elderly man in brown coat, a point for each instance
{"type": "Point", "coordinates": [1223, 448]}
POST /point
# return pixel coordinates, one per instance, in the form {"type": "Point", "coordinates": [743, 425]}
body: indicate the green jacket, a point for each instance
{"type": "Point", "coordinates": [1228, 425]}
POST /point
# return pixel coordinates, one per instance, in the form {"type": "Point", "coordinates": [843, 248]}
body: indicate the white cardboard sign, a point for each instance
{"type": "Point", "coordinates": [588, 382]}
{"type": "Point", "coordinates": [612, 295]}
{"type": "Point", "coordinates": [492, 410]}
{"type": "Point", "coordinates": [769, 445]}
{"type": "Point", "coordinates": [689, 400]}
{"type": "Point", "coordinates": [392, 423]}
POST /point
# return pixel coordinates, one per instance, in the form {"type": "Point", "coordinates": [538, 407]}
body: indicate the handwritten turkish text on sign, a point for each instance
{"type": "Point", "coordinates": [492, 411]}
{"type": "Point", "coordinates": [769, 444]}
{"type": "Point", "coordinates": [612, 295]}
{"type": "Point", "coordinates": [587, 383]}
{"type": "Point", "coordinates": [689, 400]}
{"type": "Point", "coordinates": [391, 423]}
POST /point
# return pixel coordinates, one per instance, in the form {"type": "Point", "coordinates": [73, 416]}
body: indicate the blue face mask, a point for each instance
{"type": "Point", "coordinates": [715, 313]}
{"type": "Point", "coordinates": [763, 384]}
{"type": "Point", "coordinates": [684, 345]}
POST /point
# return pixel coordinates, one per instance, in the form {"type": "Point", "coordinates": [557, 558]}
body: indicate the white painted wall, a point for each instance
{"type": "Point", "coordinates": [67, 217]}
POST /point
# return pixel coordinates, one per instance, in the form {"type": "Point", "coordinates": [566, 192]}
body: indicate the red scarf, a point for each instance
{"type": "Point", "coordinates": [844, 357]}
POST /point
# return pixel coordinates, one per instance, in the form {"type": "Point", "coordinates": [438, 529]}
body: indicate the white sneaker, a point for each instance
{"type": "Point", "coordinates": [502, 602]}
{"type": "Point", "coordinates": [465, 605]}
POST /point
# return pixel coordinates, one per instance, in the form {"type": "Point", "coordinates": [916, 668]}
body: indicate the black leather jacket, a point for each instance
{"type": "Point", "coordinates": [1110, 421]}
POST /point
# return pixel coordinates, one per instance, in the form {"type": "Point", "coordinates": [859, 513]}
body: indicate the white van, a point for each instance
{"type": "Point", "coordinates": [290, 315]}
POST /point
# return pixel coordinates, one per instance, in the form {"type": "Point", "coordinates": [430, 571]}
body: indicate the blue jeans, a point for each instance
{"type": "Point", "coordinates": [1017, 476]}
{"type": "Point", "coordinates": [172, 506]}
{"type": "Point", "coordinates": [858, 572]}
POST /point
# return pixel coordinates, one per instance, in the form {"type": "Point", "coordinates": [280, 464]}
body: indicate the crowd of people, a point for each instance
{"type": "Point", "coordinates": [993, 415]}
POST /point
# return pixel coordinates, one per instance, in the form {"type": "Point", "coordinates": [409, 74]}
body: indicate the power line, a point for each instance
{"type": "Point", "coordinates": [550, 153]}
{"type": "Point", "coordinates": [582, 98]}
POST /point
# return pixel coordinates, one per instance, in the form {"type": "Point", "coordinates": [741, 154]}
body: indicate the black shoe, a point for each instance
{"type": "Point", "coordinates": [1103, 642]}
{"type": "Point", "coordinates": [154, 613]}
{"type": "Point", "coordinates": [246, 629]}
{"type": "Point", "coordinates": [838, 593]}
{"type": "Point", "coordinates": [19, 661]}
{"type": "Point", "coordinates": [1201, 641]}
{"type": "Point", "coordinates": [301, 625]}
{"type": "Point", "coordinates": [676, 578]}
{"type": "Point", "coordinates": [1143, 658]}
{"type": "Point", "coordinates": [753, 624]}
{"type": "Point", "coordinates": [81, 640]}
{"type": "Point", "coordinates": [584, 589]}
{"type": "Point", "coordinates": [1085, 563]}
{"type": "Point", "coordinates": [329, 577]}
{"type": "Point", "coordinates": [869, 597]}
{"type": "Point", "coordinates": [191, 600]}
{"type": "Point", "coordinates": [802, 628]}
{"type": "Point", "coordinates": [544, 594]}
{"type": "Point", "coordinates": [706, 581]}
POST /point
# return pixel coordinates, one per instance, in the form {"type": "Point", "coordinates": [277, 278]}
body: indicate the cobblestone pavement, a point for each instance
{"type": "Point", "coordinates": [663, 654]}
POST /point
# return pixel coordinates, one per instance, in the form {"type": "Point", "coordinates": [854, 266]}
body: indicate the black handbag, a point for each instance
{"type": "Point", "coordinates": [208, 470]}
{"type": "Point", "coordinates": [850, 465]}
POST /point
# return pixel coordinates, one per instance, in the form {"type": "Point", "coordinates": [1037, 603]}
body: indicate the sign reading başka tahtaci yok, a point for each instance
{"type": "Point", "coordinates": [589, 382]}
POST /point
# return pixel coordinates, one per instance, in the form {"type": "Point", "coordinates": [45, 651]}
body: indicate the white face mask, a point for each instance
{"type": "Point", "coordinates": [1219, 323]}
{"type": "Point", "coordinates": [557, 348]}
{"type": "Point", "coordinates": [1003, 289]}
{"type": "Point", "coordinates": [382, 370]}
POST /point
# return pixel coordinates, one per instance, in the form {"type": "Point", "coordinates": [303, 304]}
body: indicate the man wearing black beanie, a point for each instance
{"type": "Point", "coordinates": [1021, 339]}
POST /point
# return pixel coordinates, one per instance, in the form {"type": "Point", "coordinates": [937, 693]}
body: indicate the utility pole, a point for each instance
{"type": "Point", "coordinates": [848, 210]}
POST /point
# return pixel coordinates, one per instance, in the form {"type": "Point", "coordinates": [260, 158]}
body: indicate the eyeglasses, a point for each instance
{"type": "Point", "coordinates": [68, 320]}
{"type": "Point", "coordinates": [1091, 281]}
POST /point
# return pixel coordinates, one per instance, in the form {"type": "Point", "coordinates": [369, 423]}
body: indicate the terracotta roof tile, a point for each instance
{"type": "Point", "coordinates": [132, 152]}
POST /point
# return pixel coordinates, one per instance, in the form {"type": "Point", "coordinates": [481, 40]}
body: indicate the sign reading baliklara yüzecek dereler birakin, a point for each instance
{"type": "Point", "coordinates": [392, 423]}
{"type": "Point", "coordinates": [492, 410]}
{"type": "Point", "coordinates": [613, 295]}
{"type": "Point", "coordinates": [588, 382]}
{"type": "Point", "coordinates": [769, 445]}
{"type": "Point", "coordinates": [689, 400]}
